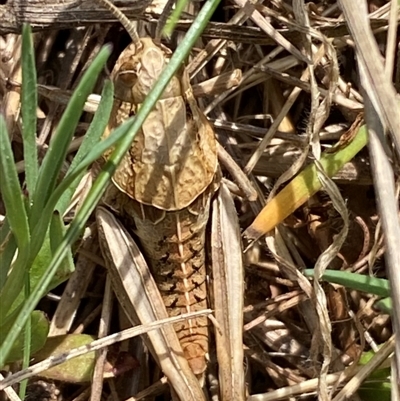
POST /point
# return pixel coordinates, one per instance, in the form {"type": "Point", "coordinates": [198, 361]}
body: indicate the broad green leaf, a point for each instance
{"type": "Point", "coordinates": [76, 370]}
{"type": "Point", "coordinates": [40, 265]}
{"type": "Point", "coordinates": [40, 329]}
{"type": "Point", "coordinates": [80, 369]}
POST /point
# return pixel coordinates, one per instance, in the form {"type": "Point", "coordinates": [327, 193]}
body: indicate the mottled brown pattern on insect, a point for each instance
{"type": "Point", "coordinates": [165, 184]}
{"type": "Point", "coordinates": [173, 158]}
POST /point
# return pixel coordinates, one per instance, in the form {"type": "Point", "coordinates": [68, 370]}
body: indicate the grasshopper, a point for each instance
{"type": "Point", "coordinates": [164, 189]}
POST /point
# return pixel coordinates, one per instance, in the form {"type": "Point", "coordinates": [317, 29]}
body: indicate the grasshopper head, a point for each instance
{"type": "Point", "coordinates": [137, 70]}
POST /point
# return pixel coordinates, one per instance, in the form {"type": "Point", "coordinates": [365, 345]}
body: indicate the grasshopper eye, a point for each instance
{"type": "Point", "coordinates": [124, 82]}
{"type": "Point", "coordinates": [128, 77]}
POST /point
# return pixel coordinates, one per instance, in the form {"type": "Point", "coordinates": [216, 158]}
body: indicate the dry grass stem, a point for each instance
{"type": "Point", "coordinates": [270, 90]}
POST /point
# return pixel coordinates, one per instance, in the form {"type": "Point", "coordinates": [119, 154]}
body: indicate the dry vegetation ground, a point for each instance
{"type": "Point", "coordinates": [282, 337]}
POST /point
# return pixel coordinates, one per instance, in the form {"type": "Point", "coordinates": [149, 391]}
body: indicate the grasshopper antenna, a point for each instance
{"type": "Point", "coordinates": [127, 24]}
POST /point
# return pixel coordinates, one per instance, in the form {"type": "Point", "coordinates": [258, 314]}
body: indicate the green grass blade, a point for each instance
{"type": "Point", "coordinates": [6, 257]}
{"type": "Point", "coordinates": [91, 139]}
{"type": "Point", "coordinates": [385, 305]}
{"type": "Point", "coordinates": [11, 191]}
{"type": "Point", "coordinates": [97, 152]}
{"type": "Point", "coordinates": [4, 233]}
{"type": "Point", "coordinates": [174, 18]}
{"type": "Point", "coordinates": [27, 343]}
{"type": "Point", "coordinates": [49, 171]}
{"type": "Point", "coordinates": [57, 232]}
{"type": "Point", "coordinates": [42, 260]}
{"type": "Point", "coordinates": [52, 162]}
{"type": "Point", "coordinates": [8, 246]}
{"type": "Point", "coordinates": [40, 329]}
{"type": "Point", "coordinates": [14, 283]}
{"type": "Point", "coordinates": [355, 281]}
{"type": "Point", "coordinates": [52, 166]}
{"type": "Point", "coordinates": [17, 220]}
{"type": "Point", "coordinates": [302, 187]}
{"type": "Point", "coordinates": [28, 110]}
{"type": "Point", "coordinates": [104, 177]}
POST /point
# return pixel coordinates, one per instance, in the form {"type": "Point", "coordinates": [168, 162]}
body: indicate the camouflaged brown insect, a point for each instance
{"type": "Point", "coordinates": [165, 184]}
